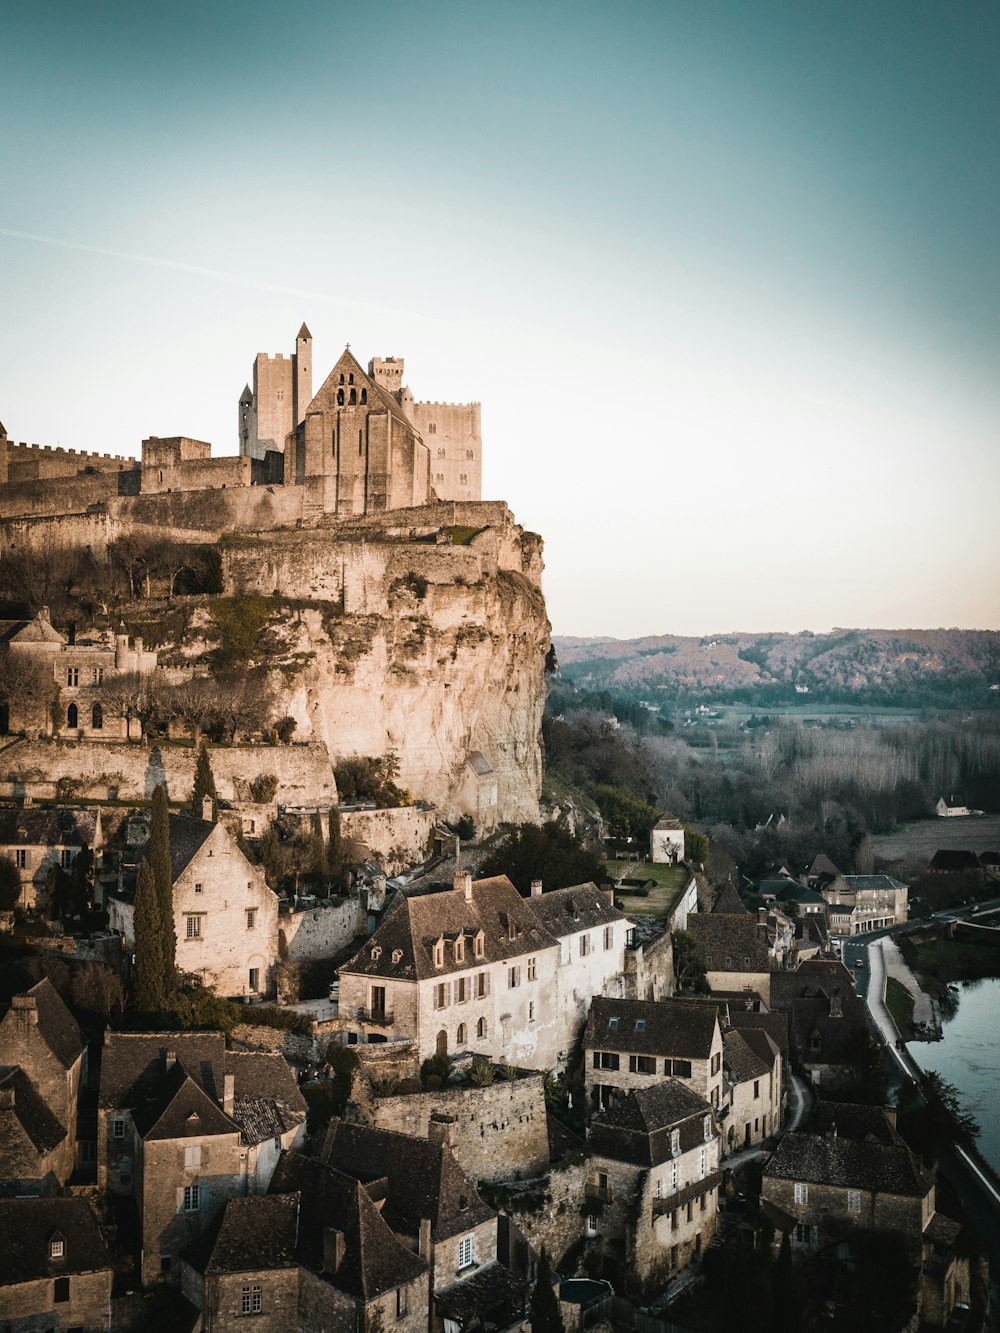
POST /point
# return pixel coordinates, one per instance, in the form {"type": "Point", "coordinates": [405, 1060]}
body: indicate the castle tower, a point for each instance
{"type": "Point", "coordinates": [282, 391]}
{"type": "Point", "coordinates": [248, 421]}
{"type": "Point", "coordinates": [302, 375]}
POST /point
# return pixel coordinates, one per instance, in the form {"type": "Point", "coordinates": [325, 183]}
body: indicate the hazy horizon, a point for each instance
{"type": "Point", "coordinates": [723, 277]}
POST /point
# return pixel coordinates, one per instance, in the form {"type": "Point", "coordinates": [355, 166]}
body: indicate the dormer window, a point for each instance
{"type": "Point", "coordinates": [460, 949]}
{"type": "Point", "coordinates": [57, 1248]}
{"type": "Point", "coordinates": [707, 1127]}
{"type": "Point", "coordinates": [479, 944]}
{"type": "Point", "coordinates": [640, 1025]}
{"type": "Point", "coordinates": [439, 954]}
{"type": "Point", "coordinates": [376, 952]}
{"type": "Point", "coordinates": [613, 1022]}
{"type": "Point", "coordinates": [675, 1143]}
{"type": "Point", "coordinates": [397, 955]}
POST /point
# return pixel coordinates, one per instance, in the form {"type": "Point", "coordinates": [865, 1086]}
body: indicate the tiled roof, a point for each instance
{"type": "Point", "coordinates": [636, 1128]}
{"type": "Point", "coordinates": [402, 946]}
{"type": "Point", "coordinates": [567, 911]}
{"type": "Point", "coordinates": [423, 1180]}
{"type": "Point", "coordinates": [132, 1063]}
{"type": "Point", "coordinates": [374, 1260]}
{"type": "Point", "coordinates": [822, 865]}
{"type": "Point", "coordinates": [852, 1120]}
{"type": "Point", "coordinates": [741, 1060]}
{"type": "Point", "coordinates": [946, 858]}
{"type": "Point", "coordinates": [826, 1028]}
{"type": "Point", "coordinates": [718, 937]}
{"type": "Point", "coordinates": [56, 1025]}
{"type": "Point", "coordinates": [859, 882]}
{"type": "Point", "coordinates": [474, 1299]}
{"type": "Point", "coordinates": [774, 1025]}
{"type": "Point", "coordinates": [38, 826]}
{"type": "Point", "coordinates": [666, 822]}
{"type": "Point", "coordinates": [180, 1108]}
{"type": "Point", "coordinates": [651, 1027]}
{"type": "Point", "coordinates": [729, 903]}
{"type": "Point", "coordinates": [821, 1159]}
{"type": "Point", "coordinates": [267, 1100]}
{"type": "Point", "coordinates": [27, 1225]}
{"type": "Point", "coordinates": [253, 1233]}
{"type": "Point", "coordinates": [811, 975]}
{"type": "Point", "coordinates": [764, 1047]}
{"type": "Point", "coordinates": [29, 1116]}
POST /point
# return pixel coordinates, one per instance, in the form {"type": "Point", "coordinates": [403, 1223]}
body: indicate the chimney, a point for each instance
{"type": "Point", "coordinates": [228, 1092]}
{"type": "Point", "coordinates": [441, 1128]}
{"type": "Point", "coordinates": [424, 1240]}
{"type": "Point", "coordinates": [333, 1249]}
{"type": "Point", "coordinates": [536, 888]}
{"type": "Point", "coordinates": [206, 809]}
{"type": "Point", "coordinates": [7, 1098]}
{"type": "Point", "coordinates": [169, 1060]}
{"type": "Point", "coordinates": [43, 614]}
{"type": "Point", "coordinates": [26, 1008]}
{"type": "Point", "coordinates": [463, 881]}
{"type": "Point", "coordinates": [762, 916]}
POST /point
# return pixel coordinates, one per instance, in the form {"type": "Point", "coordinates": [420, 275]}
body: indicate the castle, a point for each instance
{"type": "Point", "coordinates": [361, 445]}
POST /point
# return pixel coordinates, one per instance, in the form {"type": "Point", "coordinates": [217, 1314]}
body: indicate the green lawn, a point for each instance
{"type": "Point", "coordinates": [899, 1002]}
{"type": "Point", "coordinates": [670, 882]}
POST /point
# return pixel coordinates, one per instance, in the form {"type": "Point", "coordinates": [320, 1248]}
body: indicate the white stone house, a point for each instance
{"type": "Point", "coordinates": [225, 916]}
{"type": "Point", "coordinates": [666, 841]}
{"type": "Point", "coordinates": [862, 903]}
{"type": "Point", "coordinates": [946, 811]}
{"type": "Point", "coordinates": [479, 970]}
{"type": "Point", "coordinates": [36, 838]}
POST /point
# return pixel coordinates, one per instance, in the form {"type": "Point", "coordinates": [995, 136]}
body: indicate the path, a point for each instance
{"type": "Point", "coordinates": [895, 966]}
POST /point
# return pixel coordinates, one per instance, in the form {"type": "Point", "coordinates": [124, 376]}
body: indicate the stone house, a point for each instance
{"type": "Point", "coordinates": [183, 1125]}
{"type": "Point", "coordinates": [828, 1023]}
{"type": "Point", "coordinates": [752, 1091]}
{"type": "Point", "coordinates": [477, 792]}
{"type": "Point", "coordinates": [949, 810]}
{"type": "Point", "coordinates": [80, 668]}
{"type": "Point", "coordinates": [36, 1151]}
{"type": "Point", "coordinates": [225, 916]}
{"type": "Point", "coordinates": [56, 1272]}
{"type": "Point", "coordinates": [632, 1043]}
{"type": "Point", "coordinates": [854, 1176]}
{"type": "Point", "coordinates": [652, 1196]}
{"type": "Point", "coordinates": [732, 947]}
{"type": "Point", "coordinates": [433, 1208]}
{"type": "Point", "coordinates": [40, 1036]}
{"type": "Point", "coordinates": [666, 841]}
{"type": "Point", "coordinates": [479, 970]}
{"type": "Point", "coordinates": [36, 838]}
{"type": "Point", "coordinates": [860, 903]}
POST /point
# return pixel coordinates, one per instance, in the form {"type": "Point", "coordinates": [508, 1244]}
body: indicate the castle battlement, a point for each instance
{"type": "Point", "coordinates": [57, 451]}
{"type": "Point", "coordinates": [422, 402]}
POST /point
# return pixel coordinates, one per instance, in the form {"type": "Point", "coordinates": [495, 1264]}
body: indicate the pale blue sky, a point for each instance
{"type": "Point", "coordinates": [724, 276]}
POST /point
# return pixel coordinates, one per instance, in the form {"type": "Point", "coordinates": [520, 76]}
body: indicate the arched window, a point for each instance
{"type": "Point", "coordinates": [72, 716]}
{"type": "Point", "coordinates": [354, 398]}
{"type": "Point", "coordinates": [461, 1036]}
{"type": "Point", "coordinates": [97, 717]}
{"type": "Point", "coordinates": [432, 428]}
{"type": "Point", "coordinates": [350, 378]}
{"type": "Point", "coordinates": [341, 377]}
{"type": "Point", "coordinates": [481, 1028]}
{"type": "Point", "coordinates": [340, 396]}
{"type": "Point", "coordinates": [364, 395]}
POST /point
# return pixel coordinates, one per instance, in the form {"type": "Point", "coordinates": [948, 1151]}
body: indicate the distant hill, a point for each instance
{"type": "Point", "coordinates": [943, 668]}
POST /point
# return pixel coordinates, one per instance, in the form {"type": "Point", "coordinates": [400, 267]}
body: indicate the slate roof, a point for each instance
{"type": "Point", "coordinates": [475, 1298]}
{"type": "Point", "coordinates": [741, 1060]}
{"type": "Point", "coordinates": [132, 1064]}
{"type": "Point", "coordinates": [412, 929]}
{"type": "Point", "coordinates": [764, 1047]}
{"type": "Point", "coordinates": [946, 858]}
{"type": "Point", "coordinates": [719, 936]}
{"type": "Point", "coordinates": [187, 837]}
{"type": "Point", "coordinates": [422, 1178]}
{"type": "Point", "coordinates": [852, 1120]}
{"type": "Point", "coordinates": [566, 911]}
{"type": "Point", "coordinates": [800, 893]}
{"type": "Point", "coordinates": [729, 903]}
{"type": "Point", "coordinates": [667, 822]}
{"type": "Point", "coordinates": [636, 1128]}
{"type": "Point", "coordinates": [772, 888]}
{"type": "Point", "coordinates": [253, 1233]}
{"type": "Point", "coordinates": [29, 1118]}
{"type": "Point", "coordinates": [822, 865]}
{"type": "Point", "coordinates": [857, 883]}
{"type": "Point", "coordinates": [668, 1027]}
{"type": "Point", "coordinates": [56, 1025]}
{"type": "Point", "coordinates": [27, 1225]}
{"type": "Point", "coordinates": [37, 826]}
{"type": "Point", "coordinates": [374, 1260]}
{"type": "Point", "coordinates": [38, 629]}
{"type": "Point", "coordinates": [267, 1100]}
{"type": "Point", "coordinates": [775, 1026]}
{"type": "Point", "coordinates": [811, 975]}
{"type": "Point", "coordinates": [875, 1168]}
{"type": "Point", "coordinates": [178, 1108]}
{"type": "Point", "coordinates": [820, 1035]}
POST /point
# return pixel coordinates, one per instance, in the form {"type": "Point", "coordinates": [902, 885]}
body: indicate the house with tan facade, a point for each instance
{"type": "Point", "coordinates": [652, 1198]}
{"type": "Point", "coordinates": [38, 838]}
{"type": "Point", "coordinates": [56, 1270]}
{"type": "Point", "coordinates": [183, 1125]}
{"type": "Point", "coordinates": [225, 916]}
{"type": "Point", "coordinates": [637, 1043]}
{"type": "Point", "coordinates": [479, 970]}
{"type": "Point", "coordinates": [731, 944]}
{"type": "Point", "coordinates": [861, 903]}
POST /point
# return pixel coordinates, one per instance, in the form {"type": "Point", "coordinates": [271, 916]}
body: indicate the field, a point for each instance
{"type": "Point", "coordinates": [919, 841]}
{"type": "Point", "coordinates": [900, 1005]}
{"type": "Point", "coordinates": [670, 881]}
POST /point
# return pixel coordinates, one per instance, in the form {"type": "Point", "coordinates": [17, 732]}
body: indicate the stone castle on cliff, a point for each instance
{"type": "Point", "coordinates": [361, 445]}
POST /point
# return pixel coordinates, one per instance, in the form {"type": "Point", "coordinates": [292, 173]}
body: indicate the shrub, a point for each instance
{"type": "Point", "coordinates": [482, 1074]}
{"type": "Point", "coordinates": [263, 788]}
{"type": "Point", "coordinates": [284, 729]}
{"type": "Point", "coordinates": [436, 1067]}
{"type": "Point", "coordinates": [240, 621]}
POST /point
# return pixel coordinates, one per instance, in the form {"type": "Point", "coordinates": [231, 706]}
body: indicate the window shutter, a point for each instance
{"type": "Point", "coordinates": [203, 1199]}
{"type": "Point", "coordinates": [180, 1198]}
{"type": "Point", "coordinates": [447, 992]}
{"type": "Point", "coordinates": [434, 996]}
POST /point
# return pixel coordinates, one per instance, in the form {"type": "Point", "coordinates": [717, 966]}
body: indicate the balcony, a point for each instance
{"type": "Point", "coordinates": [689, 1192]}
{"type": "Point", "coordinates": [382, 1018]}
{"type": "Point", "coordinates": [597, 1193]}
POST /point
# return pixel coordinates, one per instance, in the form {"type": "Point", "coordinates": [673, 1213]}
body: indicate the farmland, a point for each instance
{"type": "Point", "coordinates": [919, 841]}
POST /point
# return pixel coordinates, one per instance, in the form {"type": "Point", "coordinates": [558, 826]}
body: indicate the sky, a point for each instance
{"type": "Point", "coordinates": [725, 277]}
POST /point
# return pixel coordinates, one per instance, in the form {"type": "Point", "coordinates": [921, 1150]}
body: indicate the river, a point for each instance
{"type": "Point", "coordinates": [968, 1055]}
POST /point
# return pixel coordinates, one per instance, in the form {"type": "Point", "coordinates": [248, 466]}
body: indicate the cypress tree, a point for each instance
{"type": "Point", "coordinates": [335, 849]}
{"type": "Point", "coordinates": [544, 1315]}
{"type": "Point", "coordinates": [204, 784]}
{"type": "Point", "coordinates": [159, 857]}
{"type": "Point", "coordinates": [150, 997]}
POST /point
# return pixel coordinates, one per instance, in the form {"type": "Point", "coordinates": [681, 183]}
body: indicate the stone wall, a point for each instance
{"type": "Point", "coordinates": [550, 1213]}
{"type": "Point", "coordinates": [499, 1132]}
{"type": "Point", "coordinates": [399, 838]}
{"type": "Point", "coordinates": [320, 931]}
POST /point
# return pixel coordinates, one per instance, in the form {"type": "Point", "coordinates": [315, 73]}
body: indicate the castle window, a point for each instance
{"type": "Point", "coordinates": [353, 398]}
{"type": "Point", "coordinates": [251, 917]}
{"type": "Point", "coordinates": [801, 1191]}
{"type": "Point", "coordinates": [479, 944]}
{"type": "Point", "coordinates": [463, 479]}
{"type": "Point", "coordinates": [460, 949]}
{"type": "Point", "coordinates": [192, 928]}
{"type": "Point", "coordinates": [432, 428]}
{"type": "Point", "coordinates": [470, 453]}
{"type": "Point", "coordinates": [364, 395]}
{"type": "Point", "coordinates": [532, 969]}
{"type": "Point", "coordinates": [350, 378]}
{"type": "Point", "coordinates": [462, 1035]}
{"type": "Point", "coordinates": [359, 444]}
{"type": "Point", "coordinates": [72, 675]}
{"type": "Point", "coordinates": [481, 1028]}
{"type": "Point", "coordinates": [253, 1299]}
{"type": "Point", "coordinates": [118, 1127]}
{"type": "Point", "coordinates": [60, 1290]}
{"type": "Point", "coordinates": [98, 675]}
{"type": "Point", "coordinates": [254, 980]}
{"type": "Point", "coordinates": [72, 716]}
{"type": "Point", "coordinates": [57, 1248]}
{"type": "Point", "coordinates": [442, 453]}
{"type": "Point", "coordinates": [439, 954]}
{"type": "Point", "coordinates": [97, 717]}
{"type": "Point", "coordinates": [341, 377]}
{"type": "Point", "coordinates": [340, 397]}
{"type": "Point", "coordinates": [21, 858]}
{"type": "Point", "coordinates": [192, 1198]}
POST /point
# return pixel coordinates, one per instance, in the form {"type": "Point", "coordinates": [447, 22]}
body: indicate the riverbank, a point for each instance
{"type": "Point", "coordinates": [938, 963]}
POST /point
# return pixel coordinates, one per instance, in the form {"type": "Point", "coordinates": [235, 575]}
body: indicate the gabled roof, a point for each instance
{"type": "Point", "coordinates": [637, 1127]}
{"type": "Point", "coordinates": [946, 858]}
{"type": "Point", "coordinates": [408, 934]}
{"type": "Point", "coordinates": [667, 822]}
{"type": "Point", "coordinates": [181, 1108]}
{"type": "Point", "coordinates": [741, 1060]}
{"type": "Point", "coordinates": [27, 1225]}
{"type": "Point", "coordinates": [822, 865]}
{"type": "Point", "coordinates": [775, 1026]}
{"type": "Point", "coordinates": [718, 937]}
{"type": "Point", "coordinates": [826, 1028]}
{"type": "Point", "coordinates": [811, 975]}
{"type": "Point", "coordinates": [27, 1118]}
{"type": "Point", "coordinates": [567, 911]}
{"type": "Point", "coordinates": [853, 1120]}
{"type": "Point", "coordinates": [40, 826]}
{"type": "Point", "coordinates": [374, 1260]}
{"type": "Point", "coordinates": [250, 1234]}
{"type": "Point", "coordinates": [872, 1167]}
{"type": "Point", "coordinates": [651, 1027]}
{"type": "Point", "coordinates": [56, 1025]}
{"type": "Point", "coordinates": [729, 903]}
{"type": "Point", "coordinates": [423, 1180]}
{"type": "Point", "coordinates": [132, 1064]}
{"type": "Point", "coordinates": [267, 1101]}
{"type": "Point", "coordinates": [37, 630]}
{"type": "Point", "coordinates": [348, 363]}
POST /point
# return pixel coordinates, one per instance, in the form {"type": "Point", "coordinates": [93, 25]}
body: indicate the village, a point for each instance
{"type": "Point", "coordinates": [273, 1047]}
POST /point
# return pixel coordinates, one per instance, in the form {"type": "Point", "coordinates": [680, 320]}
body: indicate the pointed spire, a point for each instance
{"type": "Point", "coordinates": [246, 396]}
{"type": "Point", "coordinates": [304, 334]}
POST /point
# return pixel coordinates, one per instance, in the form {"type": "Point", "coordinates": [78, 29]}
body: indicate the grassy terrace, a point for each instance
{"type": "Point", "coordinates": [899, 1002]}
{"type": "Point", "coordinates": [670, 881]}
